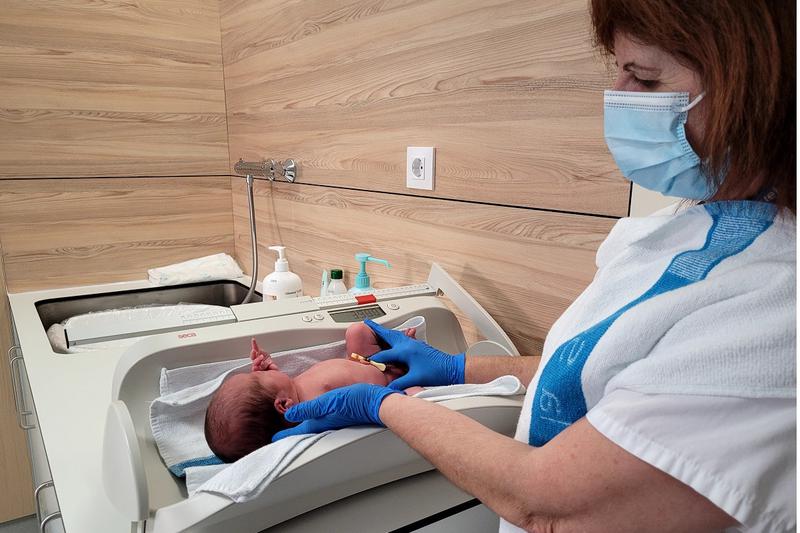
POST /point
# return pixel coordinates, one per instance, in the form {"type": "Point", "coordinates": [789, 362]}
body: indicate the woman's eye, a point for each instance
{"type": "Point", "coordinates": [646, 83]}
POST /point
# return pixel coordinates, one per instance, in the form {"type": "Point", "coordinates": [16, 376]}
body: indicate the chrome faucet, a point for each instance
{"type": "Point", "coordinates": [268, 169]}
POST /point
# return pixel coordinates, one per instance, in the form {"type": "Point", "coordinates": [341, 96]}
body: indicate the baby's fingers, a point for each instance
{"type": "Point", "coordinates": [254, 349]}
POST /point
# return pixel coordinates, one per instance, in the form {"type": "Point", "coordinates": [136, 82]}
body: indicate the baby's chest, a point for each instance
{"type": "Point", "coordinates": [340, 373]}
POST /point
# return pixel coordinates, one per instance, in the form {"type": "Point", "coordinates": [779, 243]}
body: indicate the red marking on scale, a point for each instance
{"type": "Point", "coordinates": [366, 299]}
{"type": "Point", "coordinates": [187, 335]}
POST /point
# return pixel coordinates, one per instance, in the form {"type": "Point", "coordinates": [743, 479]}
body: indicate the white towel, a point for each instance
{"type": "Point", "coordinates": [502, 386]}
{"type": "Point", "coordinates": [251, 475]}
{"type": "Point", "coordinates": [210, 267]}
{"type": "Point", "coordinates": [177, 417]}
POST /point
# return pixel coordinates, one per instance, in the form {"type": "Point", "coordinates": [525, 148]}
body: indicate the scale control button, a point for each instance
{"type": "Point", "coordinates": [393, 306]}
{"type": "Point", "coordinates": [306, 318]}
{"type": "Point", "coordinates": [319, 316]}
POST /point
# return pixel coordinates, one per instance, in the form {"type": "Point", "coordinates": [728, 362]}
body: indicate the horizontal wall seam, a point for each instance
{"type": "Point", "coordinates": [9, 178]}
{"type": "Point", "coordinates": [461, 200]}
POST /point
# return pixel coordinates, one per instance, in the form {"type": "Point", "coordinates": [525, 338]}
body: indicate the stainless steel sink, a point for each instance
{"type": "Point", "coordinates": [223, 293]}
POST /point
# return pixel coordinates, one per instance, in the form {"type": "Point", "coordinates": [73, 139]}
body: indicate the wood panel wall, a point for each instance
{"type": "Point", "coordinates": [113, 152]}
{"type": "Point", "coordinates": [111, 88]}
{"type": "Point", "coordinates": [524, 266]}
{"type": "Point", "coordinates": [508, 91]}
{"type": "Point", "coordinates": [67, 232]}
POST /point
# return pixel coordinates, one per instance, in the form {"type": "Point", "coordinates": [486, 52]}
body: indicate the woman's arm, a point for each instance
{"type": "Point", "coordinates": [483, 368]}
{"type": "Point", "coordinates": [579, 481]}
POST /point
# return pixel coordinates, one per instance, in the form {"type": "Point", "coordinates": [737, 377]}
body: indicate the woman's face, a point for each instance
{"type": "Point", "coordinates": [646, 68]}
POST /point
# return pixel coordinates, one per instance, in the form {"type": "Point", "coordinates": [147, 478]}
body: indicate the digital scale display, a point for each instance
{"type": "Point", "coordinates": [357, 314]}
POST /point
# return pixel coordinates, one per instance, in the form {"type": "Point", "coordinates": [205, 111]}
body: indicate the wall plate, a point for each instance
{"type": "Point", "coordinates": [420, 167]}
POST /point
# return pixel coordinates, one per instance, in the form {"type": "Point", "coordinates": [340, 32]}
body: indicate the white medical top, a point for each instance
{"type": "Point", "coordinates": [682, 352]}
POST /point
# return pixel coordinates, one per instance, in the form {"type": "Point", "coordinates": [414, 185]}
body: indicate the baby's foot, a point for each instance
{"type": "Point", "coordinates": [261, 359]}
{"type": "Point", "coordinates": [359, 338]}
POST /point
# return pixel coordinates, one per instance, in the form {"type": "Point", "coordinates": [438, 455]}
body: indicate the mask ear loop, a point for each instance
{"type": "Point", "coordinates": [692, 103]}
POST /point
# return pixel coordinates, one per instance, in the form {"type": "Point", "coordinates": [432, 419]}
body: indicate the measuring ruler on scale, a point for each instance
{"type": "Point", "coordinates": [341, 307]}
{"type": "Point", "coordinates": [358, 307]}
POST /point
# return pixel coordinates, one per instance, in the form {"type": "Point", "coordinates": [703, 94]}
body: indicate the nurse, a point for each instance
{"type": "Point", "coordinates": [664, 399]}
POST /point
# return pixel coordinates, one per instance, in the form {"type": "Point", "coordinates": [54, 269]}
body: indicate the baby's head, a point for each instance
{"type": "Point", "coordinates": [246, 411]}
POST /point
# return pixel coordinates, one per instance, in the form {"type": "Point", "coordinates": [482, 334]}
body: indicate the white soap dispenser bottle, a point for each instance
{"type": "Point", "coordinates": [282, 283]}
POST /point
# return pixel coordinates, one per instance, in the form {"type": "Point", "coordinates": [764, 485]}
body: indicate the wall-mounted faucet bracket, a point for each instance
{"type": "Point", "coordinates": [269, 169]}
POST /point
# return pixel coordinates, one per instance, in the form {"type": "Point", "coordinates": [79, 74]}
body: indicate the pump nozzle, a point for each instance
{"type": "Point", "coordinates": [281, 265]}
{"type": "Point", "coordinates": [363, 283]}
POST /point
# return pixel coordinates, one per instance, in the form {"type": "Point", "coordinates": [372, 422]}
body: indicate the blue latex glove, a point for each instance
{"type": "Point", "coordinates": [427, 366]}
{"type": "Point", "coordinates": [354, 405]}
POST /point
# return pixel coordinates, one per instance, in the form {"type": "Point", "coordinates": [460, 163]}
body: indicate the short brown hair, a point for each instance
{"type": "Point", "coordinates": [236, 425]}
{"type": "Point", "coordinates": [744, 53]}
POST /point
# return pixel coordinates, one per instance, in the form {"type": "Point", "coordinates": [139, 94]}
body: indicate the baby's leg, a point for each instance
{"type": "Point", "coordinates": [359, 338]}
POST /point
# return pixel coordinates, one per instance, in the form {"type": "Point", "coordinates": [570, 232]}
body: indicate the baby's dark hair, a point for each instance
{"type": "Point", "coordinates": [237, 424]}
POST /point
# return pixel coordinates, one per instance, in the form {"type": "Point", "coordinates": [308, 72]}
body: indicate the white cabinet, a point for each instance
{"type": "Point", "coordinates": [48, 513]}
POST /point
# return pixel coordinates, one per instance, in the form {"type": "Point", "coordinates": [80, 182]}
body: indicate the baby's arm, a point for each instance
{"type": "Point", "coordinates": [261, 359]}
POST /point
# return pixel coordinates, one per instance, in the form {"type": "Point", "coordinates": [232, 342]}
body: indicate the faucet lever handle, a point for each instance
{"type": "Point", "coordinates": [289, 170]}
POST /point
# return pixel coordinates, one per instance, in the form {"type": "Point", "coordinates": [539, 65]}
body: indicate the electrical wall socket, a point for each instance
{"type": "Point", "coordinates": [420, 167]}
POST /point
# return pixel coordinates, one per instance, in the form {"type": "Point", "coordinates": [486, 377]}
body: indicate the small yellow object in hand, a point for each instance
{"type": "Point", "coordinates": [360, 358]}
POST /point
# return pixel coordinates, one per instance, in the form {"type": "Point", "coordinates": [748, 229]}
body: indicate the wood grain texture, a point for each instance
{"type": "Point", "coordinates": [524, 266]}
{"type": "Point", "coordinates": [508, 91]}
{"type": "Point", "coordinates": [111, 88]}
{"type": "Point", "coordinates": [15, 472]}
{"type": "Point", "coordinates": [66, 232]}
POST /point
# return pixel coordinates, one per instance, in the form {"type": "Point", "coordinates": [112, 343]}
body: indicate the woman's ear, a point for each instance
{"type": "Point", "coordinates": [283, 403]}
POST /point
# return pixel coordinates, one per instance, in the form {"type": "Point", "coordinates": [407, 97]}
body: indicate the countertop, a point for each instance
{"type": "Point", "coordinates": [71, 394]}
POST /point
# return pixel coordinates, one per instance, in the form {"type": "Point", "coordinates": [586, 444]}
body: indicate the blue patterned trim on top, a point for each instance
{"type": "Point", "coordinates": [179, 469]}
{"type": "Point", "coordinates": [559, 401]}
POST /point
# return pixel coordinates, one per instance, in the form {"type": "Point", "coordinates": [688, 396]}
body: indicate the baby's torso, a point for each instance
{"type": "Point", "coordinates": [335, 373]}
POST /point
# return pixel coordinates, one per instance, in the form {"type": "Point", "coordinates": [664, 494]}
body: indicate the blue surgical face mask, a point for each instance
{"type": "Point", "coordinates": [645, 133]}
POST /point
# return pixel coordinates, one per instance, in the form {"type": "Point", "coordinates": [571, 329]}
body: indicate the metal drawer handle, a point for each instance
{"type": "Point", "coordinates": [47, 519]}
{"type": "Point", "coordinates": [16, 385]}
{"type": "Point", "coordinates": [36, 501]}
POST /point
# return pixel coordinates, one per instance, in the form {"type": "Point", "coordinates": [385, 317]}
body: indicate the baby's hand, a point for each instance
{"type": "Point", "coordinates": [261, 359]}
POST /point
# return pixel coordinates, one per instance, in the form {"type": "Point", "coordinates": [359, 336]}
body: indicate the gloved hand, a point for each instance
{"type": "Point", "coordinates": [354, 405]}
{"type": "Point", "coordinates": [427, 366]}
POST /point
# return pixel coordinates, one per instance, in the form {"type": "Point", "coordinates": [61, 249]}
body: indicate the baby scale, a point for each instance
{"type": "Point", "coordinates": [355, 479]}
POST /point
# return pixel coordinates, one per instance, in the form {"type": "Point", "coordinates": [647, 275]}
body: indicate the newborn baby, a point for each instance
{"type": "Point", "coordinates": [247, 409]}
